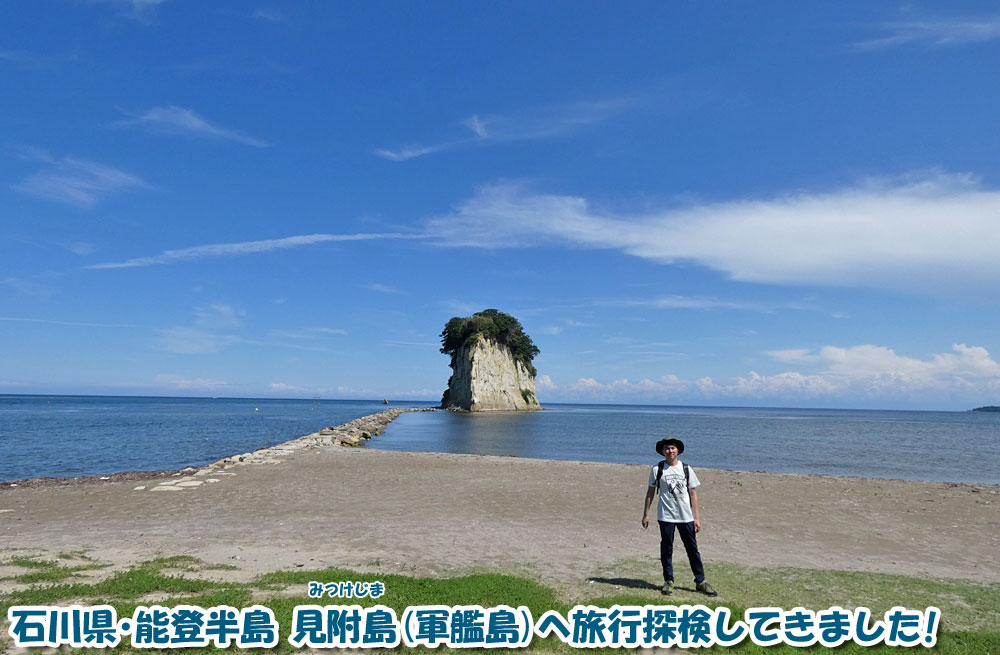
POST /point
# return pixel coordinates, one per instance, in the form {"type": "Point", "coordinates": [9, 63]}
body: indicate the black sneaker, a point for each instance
{"type": "Point", "coordinates": [668, 589]}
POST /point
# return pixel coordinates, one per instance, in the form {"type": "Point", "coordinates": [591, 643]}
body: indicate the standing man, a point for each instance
{"type": "Point", "coordinates": [678, 507]}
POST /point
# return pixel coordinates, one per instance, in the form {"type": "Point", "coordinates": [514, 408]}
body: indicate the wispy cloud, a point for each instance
{"type": "Point", "coordinates": [16, 319]}
{"type": "Point", "coordinates": [79, 247]}
{"type": "Point", "coordinates": [793, 356]}
{"type": "Point", "coordinates": [307, 333]}
{"type": "Point", "coordinates": [32, 61]}
{"type": "Point", "coordinates": [557, 329]}
{"type": "Point", "coordinates": [412, 152]}
{"type": "Point", "coordinates": [73, 181]}
{"type": "Point", "coordinates": [180, 382]}
{"type": "Point", "coordinates": [541, 123]}
{"type": "Point", "coordinates": [461, 307]}
{"type": "Point", "coordinates": [923, 232]}
{"type": "Point", "coordinates": [397, 343]}
{"type": "Point", "coordinates": [28, 287]}
{"type": "Point", "coordinates": [245, 248]}
{"type": "Point", "coordinates": [141, 10]}
{"type": "Point", "coordinates": [688, 302]}
{"type": "Point", "coordinates": [268, 15]}
{"type": "Point", "coordinates": [934, 32]}
{"type": "Point", "coordinates": [381, 288]}
{"type": "Point", "coordinates": [218, 316]}
{"type": "Point", "coordinates": [194, 340]}
{"type": "Point", "coordinates": [173, 120]}
{"type": "Point", "coordinates": [281, 387]}
{"type": "Point", "coordinates": [214, 329]}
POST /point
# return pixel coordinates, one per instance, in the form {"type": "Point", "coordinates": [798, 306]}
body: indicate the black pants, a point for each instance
{"type": "Point", "coordinates": [690, 545]}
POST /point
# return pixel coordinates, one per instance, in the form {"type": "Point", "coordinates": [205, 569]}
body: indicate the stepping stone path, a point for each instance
{"type": "Point", "coordinates": [352, 433]}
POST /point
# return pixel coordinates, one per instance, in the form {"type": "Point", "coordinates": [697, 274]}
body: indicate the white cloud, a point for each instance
{"type": "Point", "coordinates": [785, 384]}
{"type": "Point", "coordinates": [178, 120]}
{"type": "Point", "coordinates": [925, 231]}
{"type": "Point", "coordinates": [871, 371]}
{"type": "Point", "coordinates": [244, 248]}
{"type": "Point", "coordinates": [590, 389]}
{"type": "Point", "coordinates": [75, 181]}
{"type": "Point", "coordinates": [831, 373]}
{"type": "Point", "coordinates": [935, 32]}
{"type": "Point", "coordinates": [544, 382]}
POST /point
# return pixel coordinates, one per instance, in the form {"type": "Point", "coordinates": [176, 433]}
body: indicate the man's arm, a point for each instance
{"type": "Point", "coordinates": [650, 492]}
{"type": "Point", "coordinates": [694, 508]}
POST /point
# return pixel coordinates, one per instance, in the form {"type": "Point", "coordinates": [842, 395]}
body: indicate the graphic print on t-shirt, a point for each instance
{"type": "Point", "coordinates": [674, 503]}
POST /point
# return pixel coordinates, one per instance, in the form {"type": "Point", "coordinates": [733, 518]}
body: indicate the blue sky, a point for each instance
{"type": "Point", "coordinates": [775, 203]}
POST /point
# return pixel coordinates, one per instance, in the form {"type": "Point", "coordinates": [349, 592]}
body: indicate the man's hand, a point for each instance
{"type": "Point", "coordinates": [697, 526]}
{"type": "Point", "coordinates": [645, 521]}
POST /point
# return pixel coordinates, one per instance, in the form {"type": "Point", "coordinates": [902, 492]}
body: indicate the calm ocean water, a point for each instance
{"type": "Point", "coordinates": [87, 435]}
{"type": "Point", "coordinates": [936, 446]}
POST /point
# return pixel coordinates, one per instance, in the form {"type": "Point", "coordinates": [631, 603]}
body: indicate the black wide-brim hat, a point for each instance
{"type": "Point", "coordinates": [669, 441]}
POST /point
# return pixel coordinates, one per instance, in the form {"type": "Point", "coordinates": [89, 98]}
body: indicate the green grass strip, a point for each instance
{"type": "Point", "coordinates": [970, 610]}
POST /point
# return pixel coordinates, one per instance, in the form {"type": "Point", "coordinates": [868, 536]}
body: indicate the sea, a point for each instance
{"type": "Point", "coordinates": [61, 436]}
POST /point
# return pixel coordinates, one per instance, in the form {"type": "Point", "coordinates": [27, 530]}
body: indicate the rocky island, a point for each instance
{"type": "Point", "coordinates": [491, 362]}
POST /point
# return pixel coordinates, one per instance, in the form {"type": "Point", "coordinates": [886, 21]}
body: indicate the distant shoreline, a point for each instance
{"type": "Point", "coordinates": [437, 402]}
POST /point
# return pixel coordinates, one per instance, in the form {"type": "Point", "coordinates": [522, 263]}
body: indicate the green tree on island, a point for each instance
{"type": "Point", "coordinates": [492, 324]}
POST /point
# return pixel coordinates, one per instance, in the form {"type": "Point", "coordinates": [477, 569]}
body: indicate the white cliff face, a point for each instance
{"type": "Point", "coordinates": [487, 378]}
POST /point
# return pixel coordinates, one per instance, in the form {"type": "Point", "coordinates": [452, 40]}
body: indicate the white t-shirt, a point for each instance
{"type": "Point", "coordinates": [675, 502]}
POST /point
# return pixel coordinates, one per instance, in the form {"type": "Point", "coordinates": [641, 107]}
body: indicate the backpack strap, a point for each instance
{"type": "Point", "coordinates": [659, 474]}
{"type": "Point", "coordinates": [687, 483]}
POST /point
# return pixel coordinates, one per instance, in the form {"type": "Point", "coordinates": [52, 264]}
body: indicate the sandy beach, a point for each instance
{"type": "Point", "coordinates": [436, 513]}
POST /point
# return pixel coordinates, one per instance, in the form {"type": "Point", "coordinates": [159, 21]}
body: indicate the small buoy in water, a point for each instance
{"type": "Point", "coordinates": [256, 409]}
